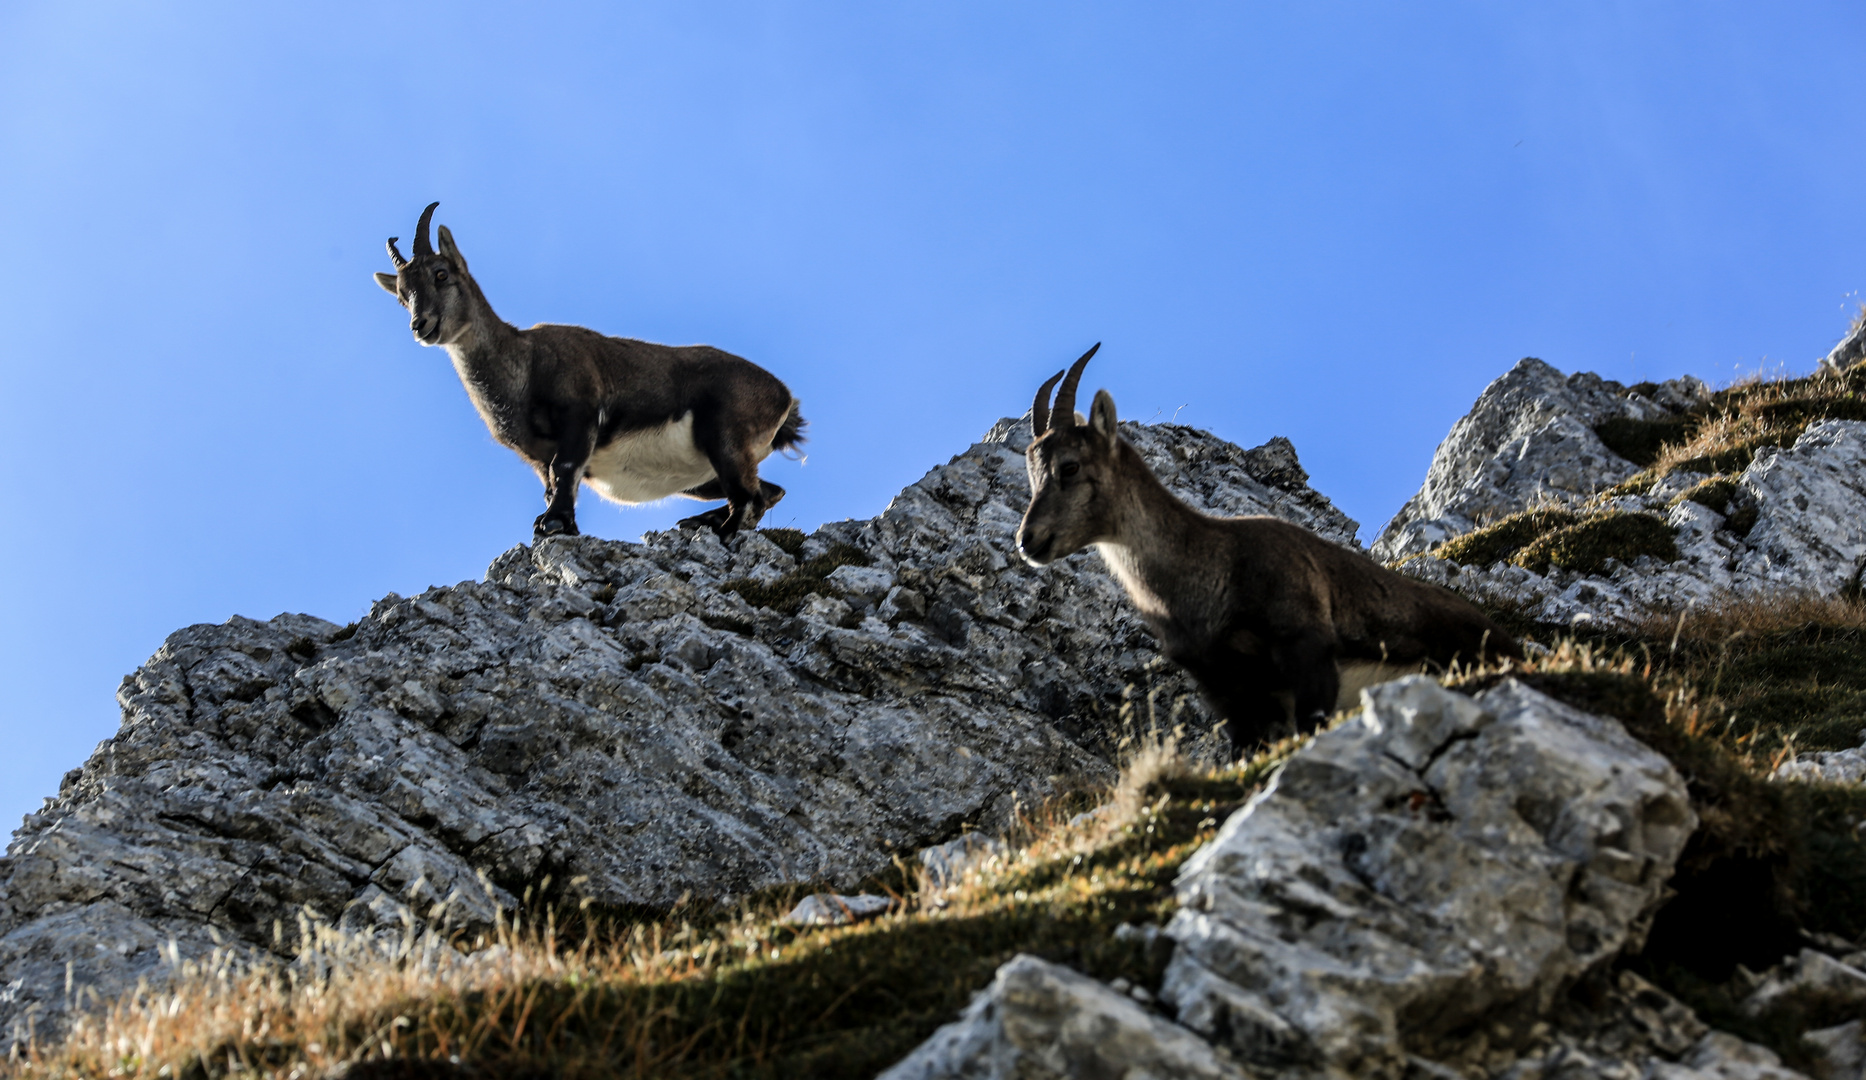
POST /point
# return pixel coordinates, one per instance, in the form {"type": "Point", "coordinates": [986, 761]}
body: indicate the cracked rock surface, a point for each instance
{"type": "Point", "coordinates": [1809, 534]}
{"type": "Point", "coordinates": [1529, 442]}
{"type": "Point", "coordinates": [1414, 895]}
{"type": "Point", "coordinates": [1437, 862]}
{"type": "Point", "coordinates": [609, 712]}
{"type": "Point", "coordinates": [1529, 439]}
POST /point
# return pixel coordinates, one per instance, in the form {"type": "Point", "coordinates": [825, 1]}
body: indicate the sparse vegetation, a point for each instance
{"type": "Point", "coordinates": [1724, 435]}
{"type": "Point", "coordinates": [786, 594]}
{"type": "Point", "coordinates": [1496, 542]}
{"type": "Point", "coordinates": [574, 991]}
{"type": "Point", "coordinates": [1586, 547]}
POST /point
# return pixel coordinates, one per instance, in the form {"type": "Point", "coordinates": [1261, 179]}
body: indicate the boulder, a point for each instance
{"type": "Point", "coordinates": [1437, 863]}
{"type": "Point", "coordinates": [1042, 1021]}
{"type": "Point", "coordinates": [1413, 894]}
{"type": "Point", "coordinates": [617, 717]}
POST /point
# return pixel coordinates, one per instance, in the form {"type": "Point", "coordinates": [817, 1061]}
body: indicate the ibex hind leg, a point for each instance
{"type": "Point", "coordinates": [1244, 691]}
{"type": "Point", "coordinates": [717, 516]}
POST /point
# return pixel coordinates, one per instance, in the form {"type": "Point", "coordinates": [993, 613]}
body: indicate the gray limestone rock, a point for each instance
{"type": "Point", "coordinates": [1411, 896]}
{"type": "Point", "coordinates": [1436, 863]}
{"type": "Point", "coordinates": [834, 909]}
{"type": "Point", "coordinates": [1039, 1021]}
{"type": "Point", "coordinates": [945, 863]}
{"type": "Point", "coordinates": [608, 714]}
{"type": "Point", "coordinates": [1528, 440]}
{"type": "Point", "coordinates": [1810, 534]}
{"type": "Point", "coordinates": [1826, 766]}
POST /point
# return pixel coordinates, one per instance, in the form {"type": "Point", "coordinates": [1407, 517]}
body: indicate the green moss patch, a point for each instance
{"type": "Point", "coordinates": [791, 540]}
{"type": "Point", "coordinates": [1496, 542]}
{"type": "Point", "coordinates": [786, 594]}
{"type": "Point", "coordinates": [1585, 547]}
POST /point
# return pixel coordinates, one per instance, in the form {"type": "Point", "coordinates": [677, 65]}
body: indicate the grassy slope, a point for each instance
{"type": "Point", "coordinates": [737, 993]}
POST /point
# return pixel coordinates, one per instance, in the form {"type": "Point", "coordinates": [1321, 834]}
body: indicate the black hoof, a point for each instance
{"type": "Point", "coordinates": [546, 525]}
{"type": "Point", "coordinates": [712, 519]}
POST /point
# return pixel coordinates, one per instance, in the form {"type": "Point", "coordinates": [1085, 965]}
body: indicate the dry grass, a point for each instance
{"type": "Point", "coordinates": [1741, 615]}
{"type": "Point", "coordinates": [567, 992]}
{"type": "Point", "coordinates": [1723, 692]}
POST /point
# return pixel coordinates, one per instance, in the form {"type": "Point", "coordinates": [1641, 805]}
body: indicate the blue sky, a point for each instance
{"type": "Point", "coordinates": [1331, 221]}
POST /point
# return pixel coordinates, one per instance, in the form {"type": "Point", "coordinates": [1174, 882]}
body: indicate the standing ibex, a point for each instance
{"type": "Point", "coordinates": [1253, 607]}
{"type": "Point", "coordinates": [638, 421]}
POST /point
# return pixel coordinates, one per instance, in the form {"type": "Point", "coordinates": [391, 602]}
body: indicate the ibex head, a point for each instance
{"type": "Point", "coordinates": [433, 285]}
{"type": "Point", "coordinates": [1072, 471]}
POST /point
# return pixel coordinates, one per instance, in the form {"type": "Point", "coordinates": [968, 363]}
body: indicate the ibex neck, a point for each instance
{"type": "Point", "coordinates": [487, 343]}
{"type": "Point", "coordinates": [1153, 533]}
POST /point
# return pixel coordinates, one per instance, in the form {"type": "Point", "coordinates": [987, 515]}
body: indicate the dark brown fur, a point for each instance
{"type": "Point", "coordinates": [1253, 607]}
{"type": "Point", "coordinates": [568, 399]}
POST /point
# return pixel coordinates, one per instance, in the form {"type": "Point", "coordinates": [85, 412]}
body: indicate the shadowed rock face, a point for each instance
{"type": "Point", "coordinates": [1410, 897]}
{"type": "Point", "coordinates": [607, 712]}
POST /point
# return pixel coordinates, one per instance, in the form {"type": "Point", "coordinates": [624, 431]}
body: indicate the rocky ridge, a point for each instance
{"type": "Point", "coordinates": [1417, 893]}
{"type": "Point", "coordinates": [1529, 443]}
{"type": "Point", "coordinates": [618, 716]}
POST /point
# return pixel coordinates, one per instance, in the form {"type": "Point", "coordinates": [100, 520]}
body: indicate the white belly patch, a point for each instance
{"type": "Point", "coordinates": [651, 464]}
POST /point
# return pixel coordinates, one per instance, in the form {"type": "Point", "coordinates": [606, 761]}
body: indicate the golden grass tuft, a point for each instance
{"type": "Point", "coordinates": [566, 991]}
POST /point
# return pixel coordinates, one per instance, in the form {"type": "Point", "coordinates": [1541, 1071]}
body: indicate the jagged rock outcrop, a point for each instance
{"type": "Point", "coordinates": [1412, 896]}
{"type": "Point", "coordinates": [1808, 503]}
{"type": "Point", "coordinates": [615, 715]}
{"type": "Point", "coordinates": [1528, 440]}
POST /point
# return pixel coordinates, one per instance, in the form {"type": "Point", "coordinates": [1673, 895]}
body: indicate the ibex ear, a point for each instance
{"type": "Point", "coordinates": [448, 249]}
{"type": "Point", "coordinates": [387, 281]}
{"type": "Point", "coordinates": [1101, 415]}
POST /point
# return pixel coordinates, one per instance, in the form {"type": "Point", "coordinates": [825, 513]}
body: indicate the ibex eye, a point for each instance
{"type": "Point", "coordinates": [1071, 468]}
{"type": "Point", "coordinates": [440, 275]}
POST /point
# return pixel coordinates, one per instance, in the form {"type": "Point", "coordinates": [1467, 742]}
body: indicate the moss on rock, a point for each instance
{"type": "Point", "coordinates": [1496, 542]}
{"type": "Point", "coordinates": [787, 593]}
{"type": "Point", "coordinates": [1585, 547]}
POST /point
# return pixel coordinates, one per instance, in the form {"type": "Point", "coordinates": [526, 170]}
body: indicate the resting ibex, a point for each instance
{"type": "Point", "coordinates": [638, 421]}
{"type": "Point", "coordinates": [1254, 607]}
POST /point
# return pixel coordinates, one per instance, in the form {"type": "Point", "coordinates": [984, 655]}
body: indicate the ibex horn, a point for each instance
{"type": "Point", "coordinates": [1040, 410]}
{"type": "Point", "coordinates": [394, 255]}
{"type": "Point", "coordinates": [1065, 412]}
{"type": "Point", "coordinates": [422, 247]}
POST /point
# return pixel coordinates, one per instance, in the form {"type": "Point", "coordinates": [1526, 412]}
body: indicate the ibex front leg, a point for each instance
{"type": "Point", "coordinates": [576, 441]}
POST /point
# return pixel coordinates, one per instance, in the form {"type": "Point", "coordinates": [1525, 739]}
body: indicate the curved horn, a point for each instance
{"type": "Point", "coordinates": [394, 255]}
{"type": "Point", "coordinates": [1065, 412]}
{"type": "Point", "coordinates": [1040, 409]}
{"type": "Point", "coordinates": [422, 247]}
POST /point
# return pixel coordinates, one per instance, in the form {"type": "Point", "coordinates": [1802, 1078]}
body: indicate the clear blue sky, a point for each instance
{"type": "Point", "coordinates": [1334, 222]}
